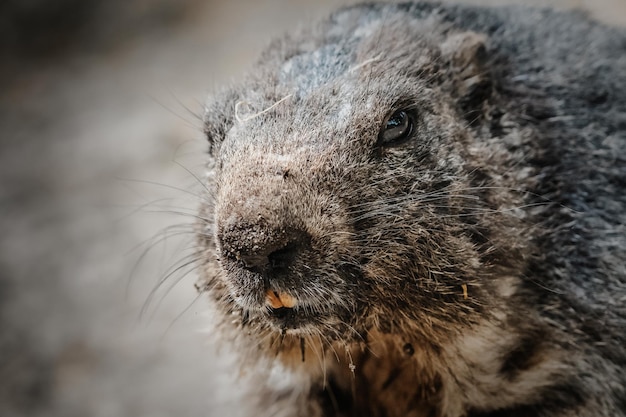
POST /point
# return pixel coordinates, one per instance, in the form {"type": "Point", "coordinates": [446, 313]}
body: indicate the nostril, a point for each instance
{"type": "Point", "coordinates": [262, 250]}
{"type": "Point", "coordinates": [255, 262]}
{"type": "Point", "coordinates": [282, 258]}
{"type": "Point", "coordinates": [261, 261]}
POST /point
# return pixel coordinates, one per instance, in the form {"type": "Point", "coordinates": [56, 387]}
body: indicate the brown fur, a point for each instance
{"type": "Point", "coordinates": [446, 274]}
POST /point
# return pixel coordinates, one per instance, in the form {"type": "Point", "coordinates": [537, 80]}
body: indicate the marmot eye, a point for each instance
{"type": "Point", "coordinates": [397, 128]}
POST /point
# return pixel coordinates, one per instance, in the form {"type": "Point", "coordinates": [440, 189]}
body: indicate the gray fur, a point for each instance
{"type": "Point", "coordinates": [477, 268]}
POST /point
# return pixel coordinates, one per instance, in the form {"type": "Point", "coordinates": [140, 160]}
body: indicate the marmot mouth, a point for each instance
{"type": "Point", "coordinates": [281, 309]}
{"type": "Point", "coordinates": [284, 312]}
{"type": "Point", "coordinates": [286, 318]}
{"type": "Point", "coordinates": [278, 300]}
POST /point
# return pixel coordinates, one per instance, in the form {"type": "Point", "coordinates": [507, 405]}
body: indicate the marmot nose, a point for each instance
{"type": "Point", "coordinates": [262, 250]}
{"type": "Point", "coordinates": [266, 259]}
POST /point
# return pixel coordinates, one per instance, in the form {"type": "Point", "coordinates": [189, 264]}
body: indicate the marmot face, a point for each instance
{"type": "Point", "coordinates": [431, 195]}
{"type": "Point", "coordinates": [347, 193]}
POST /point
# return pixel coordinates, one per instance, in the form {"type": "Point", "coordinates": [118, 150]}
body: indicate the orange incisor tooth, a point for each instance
{"type": "Point", "coordinates": [278, 300]}
{"type": "Point", "coordinates": [287, 300]}
{"type": "Point", "coordinates": [273, 299]}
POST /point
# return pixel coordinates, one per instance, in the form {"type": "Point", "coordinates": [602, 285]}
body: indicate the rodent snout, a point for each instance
{"type": "Point", "coordinates": [263, 250]}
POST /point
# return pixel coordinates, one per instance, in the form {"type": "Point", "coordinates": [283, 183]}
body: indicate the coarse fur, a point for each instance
{"type": "Point", "coordinates": [477, 267]}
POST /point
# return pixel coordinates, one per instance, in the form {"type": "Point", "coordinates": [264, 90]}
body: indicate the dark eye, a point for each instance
{"type": "Point", "coordinates": [397, 128]}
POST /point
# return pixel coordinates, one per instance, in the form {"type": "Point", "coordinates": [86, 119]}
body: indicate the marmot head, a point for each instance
{"type": "Point", "coordinates": [349, 189]}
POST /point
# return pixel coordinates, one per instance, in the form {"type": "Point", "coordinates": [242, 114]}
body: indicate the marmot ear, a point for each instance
{"type": "Point", "coordinates": [219, 114]}
{"type": "Point", "coordinates": [471, 80]}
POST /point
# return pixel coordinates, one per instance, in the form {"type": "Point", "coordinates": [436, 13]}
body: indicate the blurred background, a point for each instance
{"type": "Point", "coordinates": [101, 149]}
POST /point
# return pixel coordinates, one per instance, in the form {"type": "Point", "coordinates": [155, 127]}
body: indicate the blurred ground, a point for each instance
{"type": "Point", "coordinates": [99, 123]}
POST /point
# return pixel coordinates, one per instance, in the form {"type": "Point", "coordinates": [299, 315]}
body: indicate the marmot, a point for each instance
{"type": "Point", "coordinates": [419, 209]}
